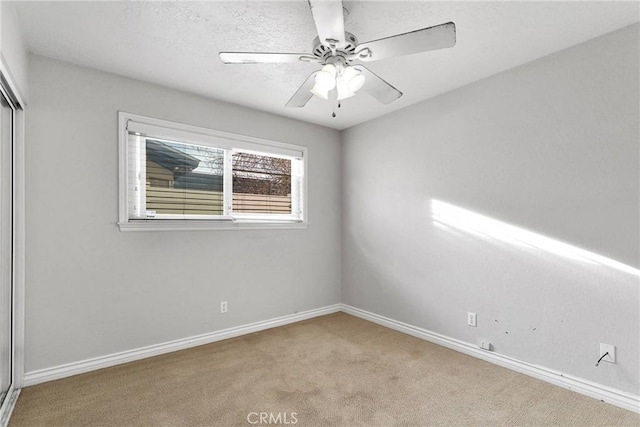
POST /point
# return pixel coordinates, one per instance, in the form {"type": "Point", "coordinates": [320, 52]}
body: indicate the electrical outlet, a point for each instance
{"type": "Point", "coordinates": [608, 348]}
{"type": "Point", "coordinates": [223, 307]}
{"type": "Point", "coordinates": [472, 319]}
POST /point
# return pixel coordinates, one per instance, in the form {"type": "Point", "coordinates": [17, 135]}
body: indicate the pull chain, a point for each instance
{"type": "Point", "coordinates": [333, 114]}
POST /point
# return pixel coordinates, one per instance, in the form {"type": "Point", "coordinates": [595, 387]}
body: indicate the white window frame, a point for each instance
{"type": "Point", "coordinates": [159, 128]}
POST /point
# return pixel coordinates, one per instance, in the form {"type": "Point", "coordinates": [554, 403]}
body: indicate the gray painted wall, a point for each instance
{"type": "Point", "coordinates": [93, 290]}
{"type": "Point", "coordinates": [552, 147]}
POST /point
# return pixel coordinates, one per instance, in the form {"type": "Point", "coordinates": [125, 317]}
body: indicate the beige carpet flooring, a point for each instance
{"type": "Point", "coordinates": [335, 370]}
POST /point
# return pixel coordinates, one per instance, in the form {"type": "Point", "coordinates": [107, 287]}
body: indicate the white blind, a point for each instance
{"type": "Point", "coordinates": [196, 135]}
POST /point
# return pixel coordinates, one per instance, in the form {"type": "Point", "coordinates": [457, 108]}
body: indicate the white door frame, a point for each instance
{"type": "Point", "coordinates": [10, 91]}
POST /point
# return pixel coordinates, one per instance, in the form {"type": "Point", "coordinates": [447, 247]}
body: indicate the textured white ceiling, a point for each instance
{"type": "Point", "coordinates": [176, 44]}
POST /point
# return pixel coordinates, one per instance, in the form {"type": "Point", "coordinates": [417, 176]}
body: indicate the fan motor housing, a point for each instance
{"type": "Point", "coordinates": [323, 52]}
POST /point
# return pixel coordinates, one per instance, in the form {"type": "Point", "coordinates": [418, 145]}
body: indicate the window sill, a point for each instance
{"type": "Point", "coordinates": [191, 225]}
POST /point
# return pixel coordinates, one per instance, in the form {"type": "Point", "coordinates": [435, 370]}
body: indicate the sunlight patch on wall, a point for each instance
{"type": "Point", "coordinates": [446, 215]}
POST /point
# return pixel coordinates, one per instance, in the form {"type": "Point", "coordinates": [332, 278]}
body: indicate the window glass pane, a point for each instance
{"type": "Point", "coordinates": [261, 184]}
{"type": "Point", "coordinates": [183, 179]}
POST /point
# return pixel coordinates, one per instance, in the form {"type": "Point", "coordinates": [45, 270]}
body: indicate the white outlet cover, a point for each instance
{"type": "Point", "coordinates": [608, 348]}
{"type": "Point", "coordinates": [472, 319]}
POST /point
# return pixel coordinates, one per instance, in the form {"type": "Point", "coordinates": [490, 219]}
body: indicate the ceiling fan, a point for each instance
{"type": "Point", "coordinates": [341, 56]}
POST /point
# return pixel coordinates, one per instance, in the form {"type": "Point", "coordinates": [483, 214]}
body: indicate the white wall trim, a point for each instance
{"type": "Point", "coordinates": [87, 365]}
{"type": "Point", "coordinates": [204, 225]}
{"type": "Point", "coordinates": [609, 395]}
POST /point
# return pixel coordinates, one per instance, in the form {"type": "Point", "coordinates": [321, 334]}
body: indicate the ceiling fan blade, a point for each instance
{"type": "Point", "coordinates": [377, 87]}
{"type": "Point", "coordinates": [329, 19]}
{"type": "Point", "coordinates": [260, 57]}
{"type": "Point", "coordinates": [303, 94]}
{"type": "Point", "coordinates": [426, 39]}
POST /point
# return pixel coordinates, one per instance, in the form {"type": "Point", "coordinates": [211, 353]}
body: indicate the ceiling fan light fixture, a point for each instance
{"type": "Point", "coordinates": [326, 78]}
{"type": "Point", "coordinates": [336, 49]}
{"type": "Point", "coordinates": [319, 92]}
{"type": "Point", "coordinates": [343, 89]}
{"type": "Point", "coordinates": [325, 81]}
{"type": "Point", "coordinates": [353, 78]}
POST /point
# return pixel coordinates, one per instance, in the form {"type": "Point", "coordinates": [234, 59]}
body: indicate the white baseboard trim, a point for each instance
{"type": "Point", "coordinates": [82, 366]}
{"type": "Point", "coordinates": [609, 395]}
{"type": "Point", "coordinates": [588, 388]}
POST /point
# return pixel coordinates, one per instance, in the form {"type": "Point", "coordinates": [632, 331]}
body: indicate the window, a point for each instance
{"type": "Point", "coordinates": [175, 176]}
